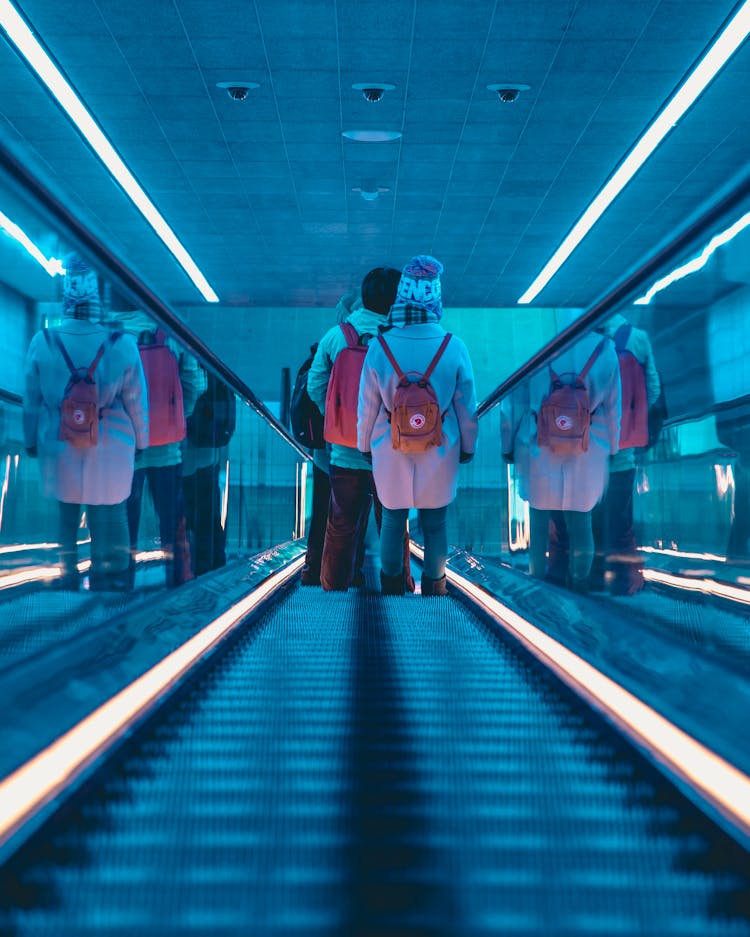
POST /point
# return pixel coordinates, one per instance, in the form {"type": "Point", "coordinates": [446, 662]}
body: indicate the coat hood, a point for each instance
{"type": "Point", "coordinates": [348, 304]}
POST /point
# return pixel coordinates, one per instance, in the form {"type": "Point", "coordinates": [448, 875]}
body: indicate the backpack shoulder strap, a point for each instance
{"type": "Point", "coordinates": [95, 362]}
{"type": "Point", "coordinates": [63, 352]}
{"type": "Point", "coordinates": [389, 355]}
{"type": "Point", "coordinates": [350, 334]}
{"type": "Point", "coordinates": [438, 356]}
{"type": "Point", "coordinates": [592, 358]}
{"type": "Point", "coordinates": [622, 335]}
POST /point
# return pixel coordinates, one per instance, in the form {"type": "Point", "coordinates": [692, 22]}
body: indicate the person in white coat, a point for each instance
{"type": "Point", "coordinates": [617, 563]}
{"type": "Point", "coordinates": [574, 483]}
{"type": "Point", "coordinates": [423, 480]}
{"type": "Point", "coordinates": [100, 475]}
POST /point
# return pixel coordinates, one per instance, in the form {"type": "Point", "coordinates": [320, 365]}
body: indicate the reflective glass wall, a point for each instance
{"type": "Point", "coordinates": [685, 490]}
{"type": "Point", "coordinates": [226, 485]}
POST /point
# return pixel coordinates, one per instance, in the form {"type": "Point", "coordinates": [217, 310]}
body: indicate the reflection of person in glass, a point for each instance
{"type": "Point", "coordinates": [616, 554]}
{"type": "Point", "coordinates": [97, 475]}
{"type": "Point", "coordinates": [570, 484]}
{"type": "Point", "coordinates": [733, 430]}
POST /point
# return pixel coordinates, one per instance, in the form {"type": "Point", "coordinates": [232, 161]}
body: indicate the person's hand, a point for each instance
{"type": "Point", "coordinates": [465, 457]}
{"type": "Point", "coordinates": [32, 451]}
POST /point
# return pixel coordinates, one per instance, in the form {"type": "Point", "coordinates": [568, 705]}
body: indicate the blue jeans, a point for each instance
{"type": "Point", "coordinates": [433, 522]}
{"type": "Point", "coordinates": [580, 543]}
{"type": "Point", "coordinates": [165, 485]}
{"type": "Point", "coordinates": [108, 528]}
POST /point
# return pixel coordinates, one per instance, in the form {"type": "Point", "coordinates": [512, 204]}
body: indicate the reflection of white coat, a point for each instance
{"type": "Point", "coordinates": [100, 474]}
{"type": "Point", "coordinates": [573, 482]}
{"type": "Point", "coordinates": [421, 479]}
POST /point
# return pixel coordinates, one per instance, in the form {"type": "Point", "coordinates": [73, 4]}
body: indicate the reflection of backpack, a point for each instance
{"type": "Point", "coordinates": [166, 412]}
{"type": "Point", "coordinates": [634, 418]}
{"type": "Point", "coordinates": [79, 410]}
{"type": "Point", "coordinates": [342, 395]}
{"type": "Point", "coordinates": [416, 420]}
{"type": "Point", "coordinates": [305, 418]}
{"type": "Point", "coordinates": [564, 418]}
{"type": "Point", "coordinates": [213, 420]}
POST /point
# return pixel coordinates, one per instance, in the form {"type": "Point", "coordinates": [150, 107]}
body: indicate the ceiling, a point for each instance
{"type": "Point", "coordinates": [260, 191]}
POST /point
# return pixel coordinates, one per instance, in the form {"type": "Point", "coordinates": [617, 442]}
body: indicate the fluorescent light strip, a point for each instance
{"type": "Point", "coordinates": [717, 56]}
{"type": "Point", "coordinates": [21, 547]}
{"type": "Point", "coordinates": [697, 263]}
{"type": "Point", "coordinates": [27, 44]}
{"type": "Point", "coordinates": [683, 555]}
{"type": "Point", "coordinates": [704, 586]}
{"type": "Point", "coordinates": [52, 265]}
{"type": "Point", "coordinates": [725, 787]}
{"type": "Point", "coordinates": [28, 789]}
{"type": "Point", "coordinates": [42, 573]}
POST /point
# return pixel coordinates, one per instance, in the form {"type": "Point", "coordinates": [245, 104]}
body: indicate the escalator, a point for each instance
{"type": "Point", "coordinates": [359, 765]}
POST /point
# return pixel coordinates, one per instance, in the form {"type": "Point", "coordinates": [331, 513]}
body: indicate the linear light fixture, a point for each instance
{"type": "Point", "coordinates": [714, 60]}
{"type": "Point", "coordinates": [52, 265]}
{"type": "Point", "coordinates": [702, 584]}
{"type": "Point", "coordinates": [30, 48]}
{"type": "Point", "coordinates": [697, 263]}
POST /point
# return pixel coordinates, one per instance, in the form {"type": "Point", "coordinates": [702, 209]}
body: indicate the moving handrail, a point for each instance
{"type": "Point", "coordinates": [131, 285]}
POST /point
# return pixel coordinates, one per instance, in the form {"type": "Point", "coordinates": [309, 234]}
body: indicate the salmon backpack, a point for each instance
{"type": "Point", "coordinates": [634, 419]}
{"type": "Point", "coordinates": [79, 410]}
{"type": "Point", "coordinates": [166, 412]}
{"type": "Point", "coordinates": [342, 395]}
{"type": "Point", "coordinates": [416, 420]}
{"type": "Point", "coordinates": [564, 418]}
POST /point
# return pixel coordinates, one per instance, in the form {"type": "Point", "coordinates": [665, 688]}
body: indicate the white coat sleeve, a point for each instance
{"type": "Point", "coordinates": [612, 398]}
{"type": "Point", "coordinates": [465, 404]}
{"type": "Point", "coordinates": [135, 394]}
{"type": "Point", "coordinates": [32, 396]}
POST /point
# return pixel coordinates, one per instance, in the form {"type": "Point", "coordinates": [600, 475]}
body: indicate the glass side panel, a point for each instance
{"type": "Point", "coordinates": [211, 480]}
{"type": "Point", "coordinates": [669, 514]}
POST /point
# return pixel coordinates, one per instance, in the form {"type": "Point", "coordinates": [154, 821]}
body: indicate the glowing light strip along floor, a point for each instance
{"type": "Point", "coordinates": [705, 586]}
{"type": "Point", "coordinates": [721, 784]}
{"type": "Point", "coordinates": [44, 777]}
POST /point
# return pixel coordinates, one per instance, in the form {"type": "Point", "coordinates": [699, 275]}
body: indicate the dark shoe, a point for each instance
{"type": "Point", "coordinates": [391, 585]}
{"type": "Point", "coordinates": [626, 582]}
{"type": "Point", "coordinates": [309, 576]}
{"type": "Point", "coordinates": [69, 582]}
{"type": "Point", "coordinates": [434, 586]}
{"type": "Point", "coordinates": [110, 582]}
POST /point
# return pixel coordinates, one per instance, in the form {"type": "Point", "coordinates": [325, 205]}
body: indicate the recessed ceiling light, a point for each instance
{"type": "Point", "coordinates": [372, 136]}
{"type": "Point", "coordinates": [27, 45]}
{"type": "Point", "coordinates": [508, 91]}
{"type": "Point", "coordinates": [237, 90]}
{"type": "Point", "coordinates": [728, 42]}
{"type": "Point", "coordinates": [370, 192]}
{"type": "Point", "coordinates": [372, 90]}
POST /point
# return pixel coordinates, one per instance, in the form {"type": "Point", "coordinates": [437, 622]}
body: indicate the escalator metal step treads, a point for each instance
{"type": "Point", "coordinates": [362, 765]}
